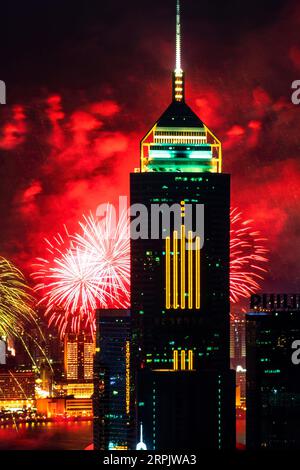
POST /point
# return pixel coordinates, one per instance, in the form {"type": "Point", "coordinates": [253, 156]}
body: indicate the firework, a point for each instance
{"type": "Point", "coordinates": [15, 301]}
{"type": "Point", "coordinates": [247, 257]}
{"type": "Point", "coordinates": [107, 241]}
{"type": "Point", "coordinates": [91, 269]}
{"type": "Point", "coordinates": [86, 271]}
{"type": "Point", "coordinates": [17, 317]}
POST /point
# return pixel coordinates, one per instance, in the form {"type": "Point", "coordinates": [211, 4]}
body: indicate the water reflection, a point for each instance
{"type": "Point", "coordinates": [47, 436]}
{"type": "Point", "coordinates": [64, 436]}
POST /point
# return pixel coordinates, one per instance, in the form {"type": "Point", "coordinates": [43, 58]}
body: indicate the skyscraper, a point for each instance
{"type": "Point", "coordinates": [180, 282]}
{"type": "Point", "coordinates": [238, 341]}
{"type": "Point", "coordinates": [238, 355]}
{"type": "Point", "coordinates": [273, 380]}
{"type": "Point", "coordinates": [78, 357]}
{"type": "Point", "coordinates": [113, 401]}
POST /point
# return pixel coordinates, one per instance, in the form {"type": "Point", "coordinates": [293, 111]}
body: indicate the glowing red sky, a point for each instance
{"type": "Point", "coordinates": [70, 133]}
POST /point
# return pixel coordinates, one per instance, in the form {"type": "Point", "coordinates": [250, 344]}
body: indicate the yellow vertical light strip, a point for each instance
{"type": "Point", "coordinates": [215, 144]}
{"type": "Point", "coordinates": [144, 143]}
{"type": "Point", "coordinates": [197, 287]}
{"type": "Point", "coordinates": [220, 159]}
{"type": "Point", "coordinates": [175, 269]}
{"type": "Point", "coordinates": [175, 360]}
{"type": "Point", "coordinates": [190, 269]}
{"type": "Point", "coordinates": [182, 360]}
{"type": "Point", "coordinates": [127, 364]}
{"type": "Point", "coordinates": [191, 360]}
{"type": "Point", "coordinates": [182, 267]}
{"type": "Point", "coordinates": [168, 273]}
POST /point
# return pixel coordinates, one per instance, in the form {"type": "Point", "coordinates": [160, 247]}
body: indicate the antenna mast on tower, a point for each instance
{"type": "Point", "coordinates": [178, 75]}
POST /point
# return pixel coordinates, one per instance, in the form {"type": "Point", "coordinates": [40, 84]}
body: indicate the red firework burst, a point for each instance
{"type": "Point", "coordinates": [84, 272]}
{"type": "Point", "coordinates": [247, 257]}
{"type": "Point", "coordinates": [92, 269]}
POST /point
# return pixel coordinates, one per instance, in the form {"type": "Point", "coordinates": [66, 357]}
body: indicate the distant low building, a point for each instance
{"type": "Point", "coordinates": [77, 390]}
{"type": "Point", "coordinates": [17, 388]}
{"type": "Point", "coordinates": [65, 407]}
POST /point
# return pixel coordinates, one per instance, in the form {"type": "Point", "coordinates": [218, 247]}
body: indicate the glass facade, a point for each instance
{"type": "Point", "coordinates": [273, 380]}
{"type": "Point", "coordinates": [78, 357]}
{"type": "Point", "coordinates": [113, 384]}
{"type": "Point", "coordinates": [203, 329]}
{"type": "Point", "coordinates": [180, 315]}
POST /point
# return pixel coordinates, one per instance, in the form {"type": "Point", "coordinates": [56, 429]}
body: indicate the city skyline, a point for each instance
{"type": "Point", "coordinates": [184, 390]}
{"type": "Point", "coordinates": [153, 338]}
{"type": "Point", "coordinates": [250, 112]}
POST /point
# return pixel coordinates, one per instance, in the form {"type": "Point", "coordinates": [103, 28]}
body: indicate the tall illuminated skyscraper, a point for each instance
{"type": "Point", "coordinates": [112, 399]}
{"type": "Point", "coordinates": [78, 357]}
{"type": "Point", "coordinates": [185, 390]}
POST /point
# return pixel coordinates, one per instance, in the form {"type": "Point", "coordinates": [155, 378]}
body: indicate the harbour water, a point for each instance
{"type": "Point", "coordinates": [47, 436]}
{"type": "Point", "coordinates": [63, 436]}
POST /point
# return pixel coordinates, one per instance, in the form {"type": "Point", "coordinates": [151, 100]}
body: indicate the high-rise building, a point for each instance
{"type": "Point", "coordinates": [238, 342]}
{"type": "Point", "coordinates": [238, 356]}
{"type": "Point", "coordinates": [113, 400]}
{"type": "Point", "coordinates": [78, 357]}
{"type": "Point", "coordinates": [180, 282]}
{"type": "Point", "coordinates": [188, 410]}
{"type": "Point", "coordinates": [273, 380]}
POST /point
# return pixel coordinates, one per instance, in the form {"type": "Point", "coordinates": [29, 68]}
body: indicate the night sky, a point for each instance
{"type": "Point", "coordinates": [86, 80]}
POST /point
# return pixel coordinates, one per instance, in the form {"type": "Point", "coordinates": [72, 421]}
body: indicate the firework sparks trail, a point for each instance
{"type": "Point", "coordinates": [91, 269]}
{"type": "Point", "coordinates": [15, 300]}
{"type": "Point", "coordinates": [17, 316]}
{"type": "Point", "coordinates": [85, 271]}
{"type": "Point", "coordinates": [108, 242]}
{"type": "Point", "coordinates": [248, 255]}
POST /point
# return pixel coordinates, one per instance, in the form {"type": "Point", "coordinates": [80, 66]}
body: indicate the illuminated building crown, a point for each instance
{"type": "Point", "coordinates": [179, 141]}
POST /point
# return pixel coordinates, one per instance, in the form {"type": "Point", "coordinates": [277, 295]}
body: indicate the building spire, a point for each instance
{"type": "Point", "coordinates": [178, 38]}
{"type": "Point", "coordinates": [141, 445]}
{"type": "Point", "coordinates": [178, 75]}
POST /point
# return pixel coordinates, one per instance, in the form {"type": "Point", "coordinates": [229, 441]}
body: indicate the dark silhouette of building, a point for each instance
{"type": "Point", "coordinates": [113, 400]}
{"type": "Point", "coordinates": [180, 282]}
{"type": "Point", "coordinates": [187, 411]}
{"type": "Point", "coordinates": [273, 380]}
